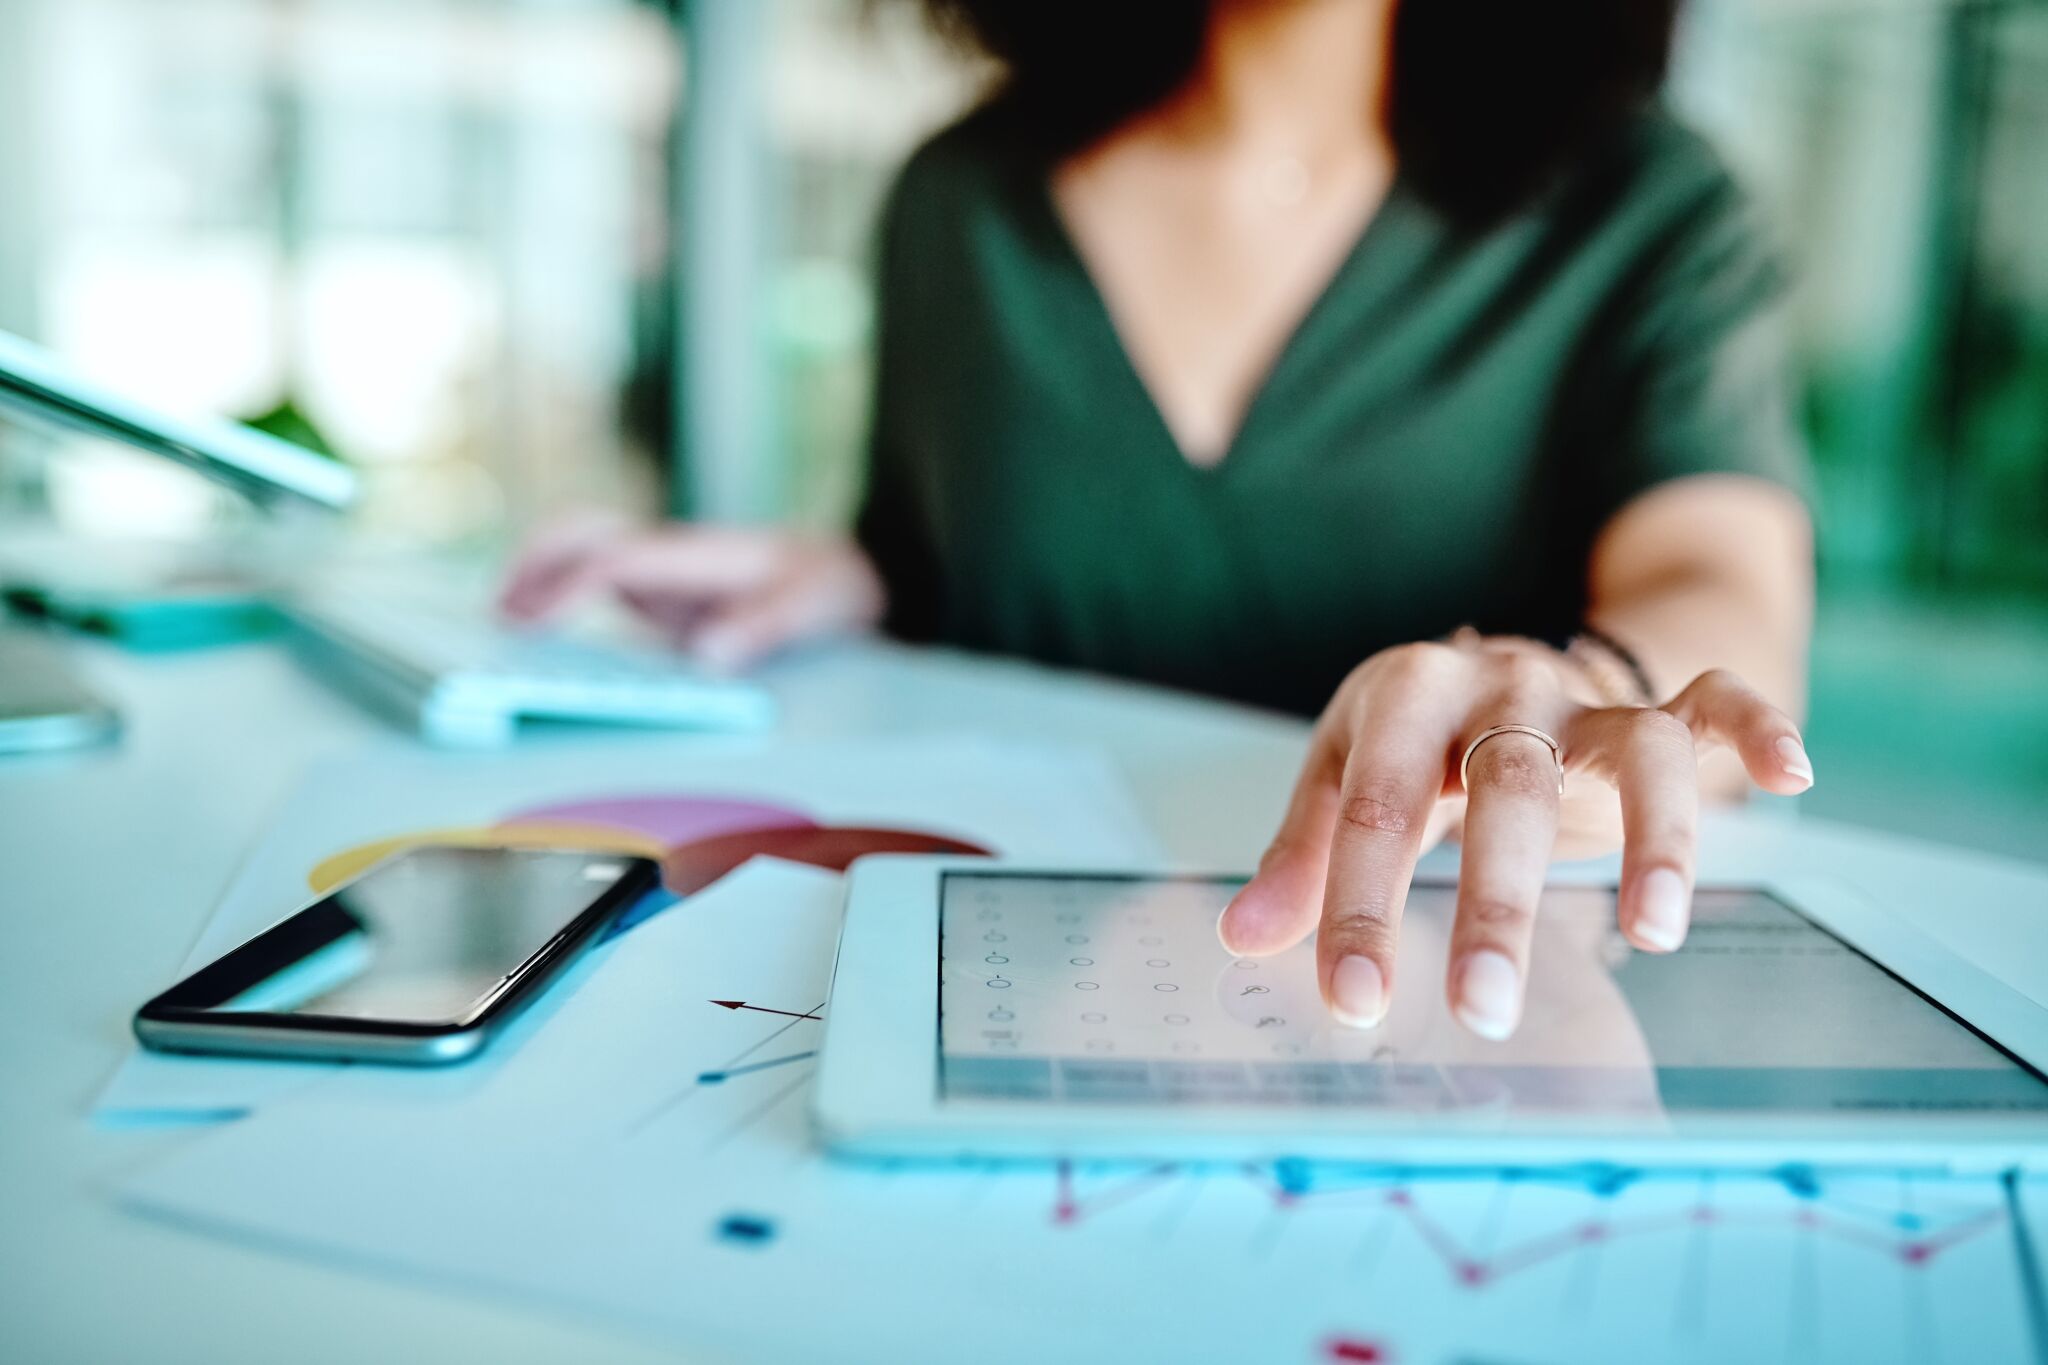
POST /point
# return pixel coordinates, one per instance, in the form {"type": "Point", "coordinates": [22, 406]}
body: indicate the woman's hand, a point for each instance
{"type": "Point", "coordinates": [731, 595]}
{"type": "Point", "coordinates": [1381, 783]}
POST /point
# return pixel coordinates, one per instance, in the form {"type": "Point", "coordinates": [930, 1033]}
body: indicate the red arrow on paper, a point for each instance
{"type": "Point", "coordinates": [743, 1005]}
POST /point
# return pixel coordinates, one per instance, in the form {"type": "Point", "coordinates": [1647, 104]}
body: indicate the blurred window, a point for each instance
{"type": "Point", "coordinates": [1903, 144]}
{"type": "Point", "coordinates": [426, 229]}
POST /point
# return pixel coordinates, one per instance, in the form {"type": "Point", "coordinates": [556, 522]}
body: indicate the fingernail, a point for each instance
{"type": "Point", "coordinates": [1660, 909]}
{"type": "Point", "coordinates": [1224, 922]}
{"type": "Point", "coordinates": [1358, 993]}
{"type": "Point", "coordinates": [1489, 994]}
{"type": "Point", "coordinates": [1792, 756]}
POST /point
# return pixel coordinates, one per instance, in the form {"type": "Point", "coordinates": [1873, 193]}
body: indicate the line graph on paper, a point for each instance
{"type": "Point", "coordinates": [1350, 1264]}
{"type": "Point", "coordinates": [1790, 1265]}
{"type": "Point", "coordinates": [1364, 1263]}
{"type": "Point", "coordinates": [1808, 1263]}
{"type": "Point", "coordinates": [1913, 1232]}
{"type": "Point", "coordinates": [789, 1065]}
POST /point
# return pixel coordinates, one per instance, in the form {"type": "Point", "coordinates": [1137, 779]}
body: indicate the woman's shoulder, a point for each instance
{"type": "Point", "coordinates": [1662, 215]}
{"type": "Point", "coordinates": [1660, 160]}
{"type": "Point", "coordinates": [962, 204]}
{"type": "Point", "coordinates": [1661, 181]}
{"type": "Point", "coordinates": [973, 164]}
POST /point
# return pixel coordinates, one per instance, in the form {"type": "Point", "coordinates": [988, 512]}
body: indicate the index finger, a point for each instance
{"type": "Point", "coordinates": [1281, 905]}
{"type": "Point", "coordinates": [551, 566]}
{"type": "Point", "coordinates": [1390, 785]}
{"type": "Point", "coordinates": [679, 566]}
{"type": "Point", "coordinates": [1396, 773]}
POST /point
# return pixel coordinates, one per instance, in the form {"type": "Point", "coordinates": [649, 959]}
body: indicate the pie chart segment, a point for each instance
{"type": "Point", "coordinates": [696, 839]}
{"type": "Point", "coordinates": [691, 868]}
{"type": "Point", "coordinates": [669, 820]}
{"type": "Point", "coordinates": [337, 868]}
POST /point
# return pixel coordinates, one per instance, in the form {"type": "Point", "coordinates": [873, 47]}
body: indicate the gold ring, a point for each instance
{"type": "Point", "coordinates": [1556, 750]}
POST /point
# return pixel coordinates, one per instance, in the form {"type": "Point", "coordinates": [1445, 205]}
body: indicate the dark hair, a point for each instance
{"type": "Point", "coordinates": [1489, 102]}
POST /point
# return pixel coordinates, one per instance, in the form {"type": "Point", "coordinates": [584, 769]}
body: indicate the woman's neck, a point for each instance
{"type": "Point", "coordinates": [1304, 79]}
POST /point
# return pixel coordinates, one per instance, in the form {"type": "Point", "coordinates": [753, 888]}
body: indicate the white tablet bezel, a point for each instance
{"type": "Point", "coordinates": [877, 1089]}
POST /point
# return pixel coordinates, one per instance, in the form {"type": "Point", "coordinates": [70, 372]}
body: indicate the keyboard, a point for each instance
{"type": "Point", "coordinates": [463, 680]}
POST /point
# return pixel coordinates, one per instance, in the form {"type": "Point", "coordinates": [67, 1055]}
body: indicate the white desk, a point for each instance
{"type": "Point", "coordinates": [110, 862]}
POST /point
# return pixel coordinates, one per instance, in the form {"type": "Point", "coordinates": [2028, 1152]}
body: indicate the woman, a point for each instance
{"type": "Point", "coordinates": [1400, 360]}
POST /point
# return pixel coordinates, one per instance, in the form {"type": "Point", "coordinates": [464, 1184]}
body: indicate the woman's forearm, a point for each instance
{"type": "Point", "coordinates": [1706, 573]}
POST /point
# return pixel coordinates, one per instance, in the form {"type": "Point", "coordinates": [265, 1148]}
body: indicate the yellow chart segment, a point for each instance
{"type": "Point", "coordinates": [332, 871]}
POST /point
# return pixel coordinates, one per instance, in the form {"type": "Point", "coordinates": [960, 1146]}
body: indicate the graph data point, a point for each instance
{"type": "Point", "coordinates": [746, 1229]}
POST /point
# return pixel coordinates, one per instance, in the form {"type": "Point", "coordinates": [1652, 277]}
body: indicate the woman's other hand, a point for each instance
{"type": "Point", "coordinates": [1382, 782]}
{"type": "Point", "coordinates": [730, 595]}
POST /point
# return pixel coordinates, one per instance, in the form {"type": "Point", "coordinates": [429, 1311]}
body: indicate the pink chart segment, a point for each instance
{"type": "Point", "coordinates": [673, 820]}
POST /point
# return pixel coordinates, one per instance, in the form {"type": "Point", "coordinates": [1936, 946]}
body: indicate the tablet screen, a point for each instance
{"type": "Point", "coordinates": [1115, 990]}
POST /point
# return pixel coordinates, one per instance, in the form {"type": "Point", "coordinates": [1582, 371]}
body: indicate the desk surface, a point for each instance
{"type": "Point", "coordinates": [113, 860]}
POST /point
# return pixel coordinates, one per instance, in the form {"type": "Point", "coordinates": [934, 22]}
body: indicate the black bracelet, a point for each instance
{"type": "Point", "coordinates": [1625, 656]}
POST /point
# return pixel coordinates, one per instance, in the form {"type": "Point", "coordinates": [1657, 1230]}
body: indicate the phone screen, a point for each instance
{"type": "Point", "coordinates": [423, 938]}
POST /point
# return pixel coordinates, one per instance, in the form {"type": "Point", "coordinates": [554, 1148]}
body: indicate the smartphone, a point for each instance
{"type": "Point", "coordinates": [421, 959]}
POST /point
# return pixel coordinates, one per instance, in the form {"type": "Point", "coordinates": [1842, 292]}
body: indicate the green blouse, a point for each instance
{"type": "Point", "coordinates": [1438, 443]}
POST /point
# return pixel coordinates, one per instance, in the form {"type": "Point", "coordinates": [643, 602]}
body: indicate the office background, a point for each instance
{"type": "Point", "coordinates": [503, 255]}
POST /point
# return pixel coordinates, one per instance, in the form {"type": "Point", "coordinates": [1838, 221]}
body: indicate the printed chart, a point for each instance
{"type": "Point", "coordinates": [696, 838]}
{"type": "Point", "coordinates": [700, 807]}
{"type": "Point", "coordinates": [1377, 1265]}
{"type": "Point", "coordinates": [668, 1186]}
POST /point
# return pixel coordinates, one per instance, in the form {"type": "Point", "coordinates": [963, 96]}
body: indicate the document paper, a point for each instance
{"type": "Point", "coordinates": [642, 1160]}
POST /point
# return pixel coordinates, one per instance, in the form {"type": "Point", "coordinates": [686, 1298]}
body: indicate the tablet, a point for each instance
{"type": "Point", "coordinates": [987, 1011]}
{"type": "Point", "coordinates": [35, 383]}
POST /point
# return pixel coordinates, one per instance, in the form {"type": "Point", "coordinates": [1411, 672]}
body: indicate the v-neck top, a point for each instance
{"type": "Point", "coordinates": [1438, 443]}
